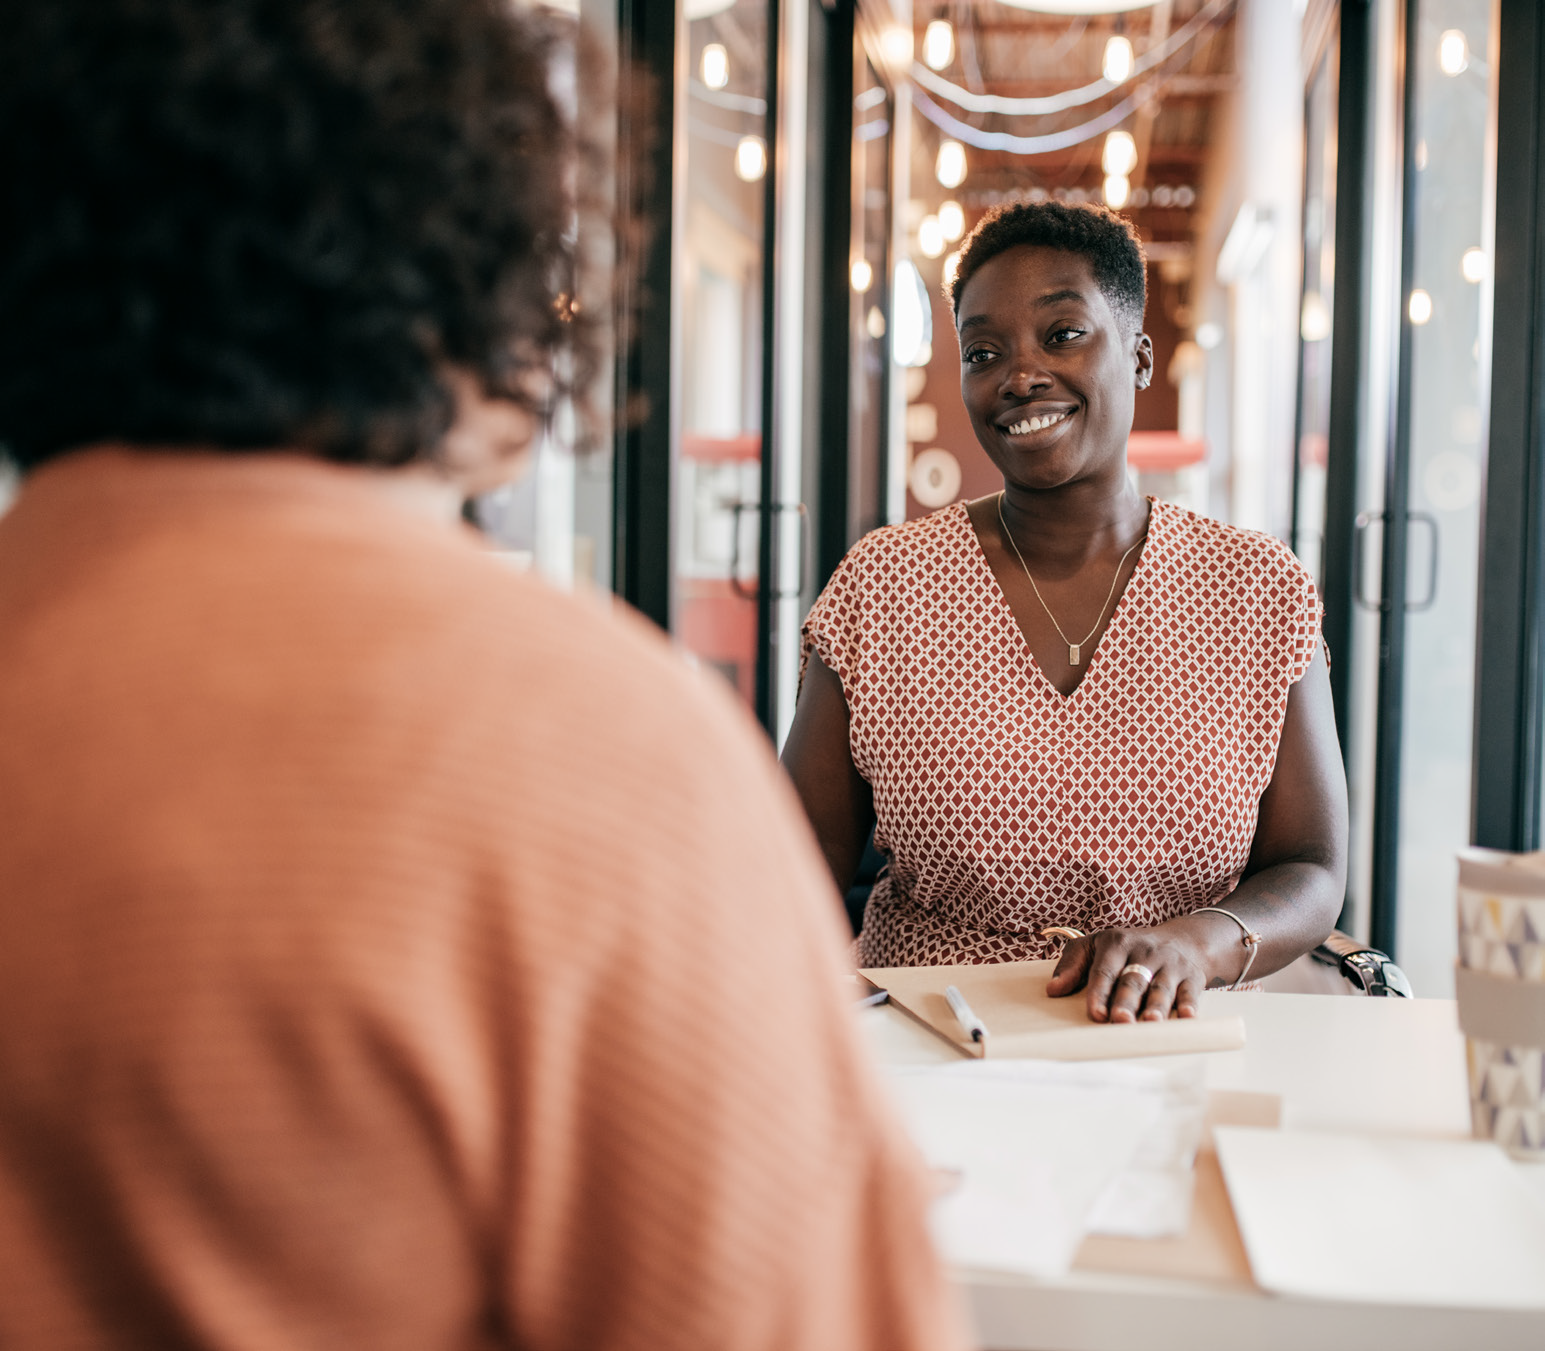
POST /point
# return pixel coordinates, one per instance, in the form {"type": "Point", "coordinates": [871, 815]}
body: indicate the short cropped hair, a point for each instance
{"type": "Point", "coordinates": [247, 224]}
{"type": "Point", "coordinates": [1107, 240]}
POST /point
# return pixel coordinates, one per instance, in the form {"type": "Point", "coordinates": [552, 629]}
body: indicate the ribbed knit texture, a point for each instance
{"type": "Point", "coordinates": [395, 954]}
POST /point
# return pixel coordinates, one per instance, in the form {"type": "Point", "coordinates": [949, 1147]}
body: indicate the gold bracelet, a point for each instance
{"type": "Point", "coordinates": [1251, 940]}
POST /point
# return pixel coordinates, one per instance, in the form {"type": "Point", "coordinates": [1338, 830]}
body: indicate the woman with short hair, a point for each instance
{"type": "Point", "coordinates": [1066, 706]}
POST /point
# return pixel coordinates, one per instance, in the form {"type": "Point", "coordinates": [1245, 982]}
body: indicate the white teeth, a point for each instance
{"type": "Point", "coordinates": [1036, 424]}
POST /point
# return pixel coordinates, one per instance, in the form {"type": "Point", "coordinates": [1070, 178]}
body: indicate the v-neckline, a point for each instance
{"type": "Point", "coordinates": [1006, 612]}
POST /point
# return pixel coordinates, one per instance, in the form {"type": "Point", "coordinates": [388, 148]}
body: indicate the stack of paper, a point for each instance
{"type": "Point", "coordinates": [1035, 1151]}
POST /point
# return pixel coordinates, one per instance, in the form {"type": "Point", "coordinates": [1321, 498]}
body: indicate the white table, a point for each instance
{"type": "Point", "coordinates": [1338, 1063]}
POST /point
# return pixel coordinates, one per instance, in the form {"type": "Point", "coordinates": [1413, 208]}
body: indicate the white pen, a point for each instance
{"type": "Point", "coordinates": [968, 1021]}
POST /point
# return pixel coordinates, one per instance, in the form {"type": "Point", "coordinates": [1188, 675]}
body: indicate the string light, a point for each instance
{"type": "Point", "coordinates": [1453, 52]}
{"type": "Point", "coordinates": [1119, 60]}
{"type": "Point", "coordinates": [1118, 188]}
{"type": "Point", "coordinates": [861, 275]}
{"type": "Point", "coordinates": [930, 237]}
{"type": "Point", "coordinates": [950, 167]}
{"type": "Point", "coordinates": [938, 44]}
{"type": "Point", "coordinates": [716, 66]}
{"type": "Point", "coordinates": [1473, 265]}
{"type": "Point", "coordinates": [1419, 306]}
{"type": "Point", "coordinates": [751, 158]}
{"type": "Point", "coordinates": [952, 220]}
{"type": "Point", "coordinates": [952, 268]}
{"type": "Point", "coordinates": [1120, 153]}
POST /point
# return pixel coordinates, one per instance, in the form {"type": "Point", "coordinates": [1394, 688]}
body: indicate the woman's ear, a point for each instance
{"type": "Point", "coordinates": [1143, 355]}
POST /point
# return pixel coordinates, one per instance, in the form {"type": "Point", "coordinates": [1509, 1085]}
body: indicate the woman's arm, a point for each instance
{"type": "Point", "coordinates": [836, 797]}
{"type": "Point", "coordinates": [1291, 892]}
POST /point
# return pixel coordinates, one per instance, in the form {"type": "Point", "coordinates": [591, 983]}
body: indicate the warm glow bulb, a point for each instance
{"type": "Point", "coordinates": [950, 167]}
{"type": "Point", "coordinates": [861, 275]}
{"type": "Point", "coordinates": [751, 158]}
{"type": "Point", "coordinates": [1420, 306]}
{"type": "Point", "coordinates": [938, 44]}
{"type": "Point", "coordinates": [1314, 318]}
{"type": "Point", "coordinates": [716, 66]}
{"type": "Point", "coordinates": [952, 220]}
{"type": "Point", "coordinates": [1120, 153]}
{"type": "Point", "coordinates": [1118, 188]}
{"type": "Point", "coordinates": [1118, 59]}
{"type": "Point", "coordinates": [1453, 52]}
{"type": "Point", "coordinates": [1473, 265]}
{"type": "Point", "coordinates": [896, 47]}
{"type": "Point", "coordinates": [952, 268]}
{"type": "Point", "coordinates": [930, 237]}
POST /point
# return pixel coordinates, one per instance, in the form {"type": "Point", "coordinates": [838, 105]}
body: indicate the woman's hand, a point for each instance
{"type": "Point", "coordinates": [1177, 959]}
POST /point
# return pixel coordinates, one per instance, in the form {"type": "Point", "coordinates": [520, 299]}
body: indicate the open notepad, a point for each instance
{"type": "Point", "coordinates": [1010, 998]}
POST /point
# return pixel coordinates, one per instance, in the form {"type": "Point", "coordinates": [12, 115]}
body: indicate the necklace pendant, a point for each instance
{"type": "Point", "coordinates": [1072, 654]}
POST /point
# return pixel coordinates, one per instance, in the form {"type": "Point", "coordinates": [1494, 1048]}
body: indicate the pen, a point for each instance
{"type": "Point", "coordinates": [869, 1001]}
{"type": "Point", "coordinates": [968, 1021]}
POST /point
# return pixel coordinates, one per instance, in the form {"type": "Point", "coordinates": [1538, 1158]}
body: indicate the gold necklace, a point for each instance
{"type": "Point", "coordinates": [1073, 648]}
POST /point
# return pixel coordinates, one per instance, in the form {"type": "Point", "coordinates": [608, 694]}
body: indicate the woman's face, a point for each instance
{"type": "Point", "coordinates": [1047, 369]}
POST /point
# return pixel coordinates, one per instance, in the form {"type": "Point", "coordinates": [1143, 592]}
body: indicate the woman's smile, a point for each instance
{"type": "Point", "coordinates": [1027, 424]}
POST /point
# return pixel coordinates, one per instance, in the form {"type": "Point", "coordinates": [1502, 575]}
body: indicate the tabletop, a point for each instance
{"type": "Point", "coordinates": [1342, 1063]}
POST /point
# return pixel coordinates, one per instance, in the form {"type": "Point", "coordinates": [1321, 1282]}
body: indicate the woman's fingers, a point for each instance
{"type": "Point", "coordinates": [1109, 990]}
{"type": "Point", "coordinates": [1072, 966]}
{"type": "Point", "coordinates": [1186, 998]}
{"type": "Point", "coordinates": [1160, 996]}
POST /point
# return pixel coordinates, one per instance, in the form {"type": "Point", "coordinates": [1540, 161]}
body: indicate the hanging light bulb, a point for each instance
{"type": "Point", "coordinates": [938, 44]}
{"type": "Point", "coordinates": [1120, 153]}
{"type": "Point", "coordinates": [930, 237]}
{"type": "Point", "coordinates": [952, 220]}
{"type": "Point", "coordinates": [952, 268]}
{"type": "Point", "coordinates": [1118, 188]}
{"type": "Point", "coordinates": [1420, 306]}
{"type": "Point", "coordinates": [1119, 59]}
{"type": "Point", "coordinates": [1453, 52]}
{"type": "Point", "coordinates": [1472, 265]}
{"type": "Point", "coordinates": [716, 65]}
{"type": "Point", "coordinates": [861, 274]}
{"type": "Point", "coordinates": [751, 158]}
{"type": "Point", "coordinates": [950, 167]}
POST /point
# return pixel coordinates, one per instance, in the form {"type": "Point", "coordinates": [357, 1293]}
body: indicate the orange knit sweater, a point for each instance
{"type": "Point", "coordinates": [395, 954]}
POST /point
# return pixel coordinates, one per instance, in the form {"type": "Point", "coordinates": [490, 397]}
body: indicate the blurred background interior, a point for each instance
{"type": "Point", "coordinates": [1331, 256]}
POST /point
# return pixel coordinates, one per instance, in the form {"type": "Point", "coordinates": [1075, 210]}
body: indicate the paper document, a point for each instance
{"type": "Point", "coordinates": [1010, 998]}
{"type": "Point", "coordinates": [1035, 1148]}
{"type": "Point", "coordinates": [1386, 1219]}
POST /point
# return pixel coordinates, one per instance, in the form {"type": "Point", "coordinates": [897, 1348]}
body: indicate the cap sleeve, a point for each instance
{"type": "Point", "coordinates": [1305, 614]}
{"type": "Point", "coordinates": [833, 628]}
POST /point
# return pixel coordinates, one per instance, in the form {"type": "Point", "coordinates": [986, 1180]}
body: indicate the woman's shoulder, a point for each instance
{"type": "Point", "coordinates": [924, 540]}
{"type": "Point", "coordinates": [1215, 548]}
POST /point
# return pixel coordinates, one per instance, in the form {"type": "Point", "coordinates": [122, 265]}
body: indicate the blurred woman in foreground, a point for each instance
{"type": "Point", "coordinates": [375, 932]}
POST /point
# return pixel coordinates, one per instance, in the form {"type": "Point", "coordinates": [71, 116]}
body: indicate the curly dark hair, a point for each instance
{"type": "Point", "coordinates": [1107, 240]}
{"type": "Point", "coordinates": [247, 224]}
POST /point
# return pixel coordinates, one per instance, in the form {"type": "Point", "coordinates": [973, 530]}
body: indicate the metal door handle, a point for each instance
{"type": "Point", "coordinates": [751, 593]}
{"type": "Point", "coordinates": [1380, 604]}
{"type": "Point", "coordinates": [1426, 603]}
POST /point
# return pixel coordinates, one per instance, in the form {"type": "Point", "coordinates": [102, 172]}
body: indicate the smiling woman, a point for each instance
{"type": "Point", "coordinates": [1065, 704]}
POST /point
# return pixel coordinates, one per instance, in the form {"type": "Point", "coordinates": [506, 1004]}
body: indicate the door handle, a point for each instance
{"type": "Point", "coordinates": [802, 513]}
{"type": "Point", "coordinates": [1431, 598]}
{"type": "Point", "coordinates": [1380, 604]}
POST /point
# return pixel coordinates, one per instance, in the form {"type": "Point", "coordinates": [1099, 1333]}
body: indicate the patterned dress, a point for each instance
{"type": "Point", "coordinates": [1003, 805]}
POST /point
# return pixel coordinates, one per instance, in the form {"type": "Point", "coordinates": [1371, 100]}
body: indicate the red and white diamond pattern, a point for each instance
{"type": "Point", "coordinates": [1005, 806]}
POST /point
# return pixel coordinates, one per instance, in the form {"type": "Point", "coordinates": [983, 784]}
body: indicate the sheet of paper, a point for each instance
{"type": "Point", "coordinates": [1210, 1248]}
{"type": "Point", "coordinates": [1386, 1219]}
{"type": "Point", "coordinates": [1032, 1147]}
{"type": "Point", "coordinates": [1010, 998]}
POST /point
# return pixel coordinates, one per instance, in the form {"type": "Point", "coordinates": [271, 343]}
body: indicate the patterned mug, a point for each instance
{"type": "Point", "coordinates": [1500, 982]}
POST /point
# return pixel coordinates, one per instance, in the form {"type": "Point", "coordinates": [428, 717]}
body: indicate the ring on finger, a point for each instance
{"type": "Point", "coordinates": [1137, 969]}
